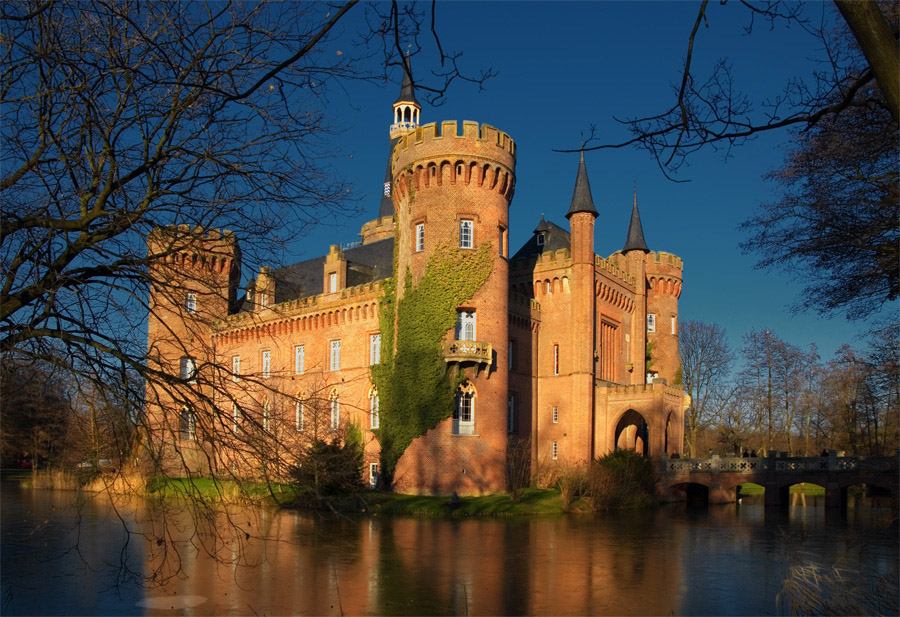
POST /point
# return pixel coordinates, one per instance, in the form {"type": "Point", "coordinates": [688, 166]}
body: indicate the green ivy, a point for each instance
{"type": "Point", "coordinates": [414, 388]}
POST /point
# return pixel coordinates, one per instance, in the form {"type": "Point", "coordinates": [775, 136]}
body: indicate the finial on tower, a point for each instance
{"type": "Point", "coordinates": [581, 197]}
{"type": "Point", "coordinates": [635, 240]}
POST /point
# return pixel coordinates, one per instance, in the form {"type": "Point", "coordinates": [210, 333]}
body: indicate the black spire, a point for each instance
{"type": "Point", "coordinates": [581, 198]}
{"type": "Point", "coordinates": [635, 239]}
{"type": "Point", "coordinates": [542, 226]}
{"type": "Point", "coordinates": [407, 92]}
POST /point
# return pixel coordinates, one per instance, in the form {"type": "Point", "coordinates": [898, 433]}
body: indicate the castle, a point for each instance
{"type": "Point", "coordinates": [555, 349]}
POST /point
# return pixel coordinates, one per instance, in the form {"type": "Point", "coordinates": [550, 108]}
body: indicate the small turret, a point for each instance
{"type": "Point", "coordinates": [581, 197]}
{"type": "Point", "coordinates": [635, 239]}
{"type": "Point", "coordinates": [406, 107]}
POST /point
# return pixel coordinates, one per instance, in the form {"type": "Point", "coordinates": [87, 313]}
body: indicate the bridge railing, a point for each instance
{"type": "Point", "coordinates": [782, 464]}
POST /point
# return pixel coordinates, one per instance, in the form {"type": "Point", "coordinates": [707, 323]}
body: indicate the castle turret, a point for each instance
{"type": "Point", "coordinates": [452, 193]}
{"type": "Point", "coordinates": [581, 217]}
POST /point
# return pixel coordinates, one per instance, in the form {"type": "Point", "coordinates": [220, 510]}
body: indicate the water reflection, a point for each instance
{"type": "Point", "coordinates": [239, 561]}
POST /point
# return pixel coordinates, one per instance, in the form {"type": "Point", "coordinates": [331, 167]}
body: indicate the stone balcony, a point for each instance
{"type": "Point", "coordinates": [468, 351]}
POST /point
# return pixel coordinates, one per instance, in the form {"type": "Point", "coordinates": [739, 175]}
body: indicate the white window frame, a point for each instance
{"type": "Point", "coordinates": [267, 415]}
{"type": "Point", "coordinates": [373, 475]}
{"type": "Point", "coordinates": [466, 234]}
{"type": "Point", "coordinates": [235, 417]}
{"type": "Point", "coordinates": [540, 238]}
{"type": "Point", "coordinates": [375, 348]}
{"type": "Point", "coordinates": [555, 455]}
{"type": "Point", "coordinates": [674, 324]}
{"type": "Point", "coordinates": [466, 326]}
{"type": "Point", "coordinates": [189, 418]}
{"type": "Point", "coordinates": [299, 413]}
{"type": "Point", "coordinates": [235, 368]}
{"type": "Point", "coordinates": [556, 359]}
{"type": "Point", "coordinates": [266, 363]}
{"type": "Point", "coordinates": [188, 369]}
{"type": "Point", "coordinates": [190, 302]}
{"type": "Point", "coordinates": [334, 363]}
{"type": "Point", "coordinates": [299, 359]}
{"type": "Point", "coordinates": [332, 282]}
{"type": "Point", "coordinates": [420, 237]}
{"type": "Point", "coordinates": [463, 406]}
{"type": "Point", "coordinates": [651, 322]}
{"type": "Point", "coordinates": [651, 376]}
{"type": "Point", "coordinates": [555, 414]}
{"type": "Point", "coordinates": [334, 405]}
{"type": "Point", "coordinates": [374, 411]}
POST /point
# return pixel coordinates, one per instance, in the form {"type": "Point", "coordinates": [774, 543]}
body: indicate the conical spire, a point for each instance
{"type": "Point", "coordinates": [635, 239]}
{"type": "Point", "coordinates": [542, 226]}
{"type": "Point", "coordinates": [581, 198]}
{"type": "Point", "coordinates": [407, 92]}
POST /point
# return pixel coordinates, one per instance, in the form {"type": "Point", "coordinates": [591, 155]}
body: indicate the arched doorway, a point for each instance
{"type": "Point", "coordinates": [632, 433]}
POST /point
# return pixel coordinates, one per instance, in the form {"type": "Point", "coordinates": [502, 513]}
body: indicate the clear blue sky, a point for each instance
{"type": "Point", "coordinates": [564, 66]}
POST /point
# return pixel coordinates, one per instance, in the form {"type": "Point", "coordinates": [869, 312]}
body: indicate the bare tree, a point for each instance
{"type": "Point", "coordinates": [705, 362]}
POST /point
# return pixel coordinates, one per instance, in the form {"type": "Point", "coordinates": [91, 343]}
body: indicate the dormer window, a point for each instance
{"type": "Point", "coordinates": [540, 238]}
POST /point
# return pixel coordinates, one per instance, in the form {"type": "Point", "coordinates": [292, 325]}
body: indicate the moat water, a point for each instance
{"type": "Point", "coordinates": [62, 556]}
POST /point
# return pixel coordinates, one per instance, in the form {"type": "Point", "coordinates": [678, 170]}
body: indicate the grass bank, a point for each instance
{"type": "Point", "coordinates": [533, 502]}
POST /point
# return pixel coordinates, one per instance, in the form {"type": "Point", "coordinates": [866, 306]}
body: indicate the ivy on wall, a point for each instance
{"type": "Point", "coordinates": [414, 388]}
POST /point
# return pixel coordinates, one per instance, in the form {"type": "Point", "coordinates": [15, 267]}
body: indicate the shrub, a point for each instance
{"type": "Point", "coordinates": [328, 470]}
{"type": "Point", "coordinates": [622, 479]}
{"type": "Point", "coordinates": [572, 484]}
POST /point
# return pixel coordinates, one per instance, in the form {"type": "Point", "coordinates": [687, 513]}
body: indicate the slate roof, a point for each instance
{"type": "Point", "coordinates": [555, 238]}
{"type": "Point", "coordinates": [407, 92]}
{"type": "Point", "coordinates": [365, 264]}
{"type": "Point", "coordinates": [635, 239]}
{"type": "Point", "coordinates": [581, 197]}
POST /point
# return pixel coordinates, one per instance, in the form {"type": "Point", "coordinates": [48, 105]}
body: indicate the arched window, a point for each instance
{"type": "Point", "coordinates": [335, 405]}
{"type": "Point", "coordinates": [464, 411]}
{"type": "Point", "coordinates": [374, 405]}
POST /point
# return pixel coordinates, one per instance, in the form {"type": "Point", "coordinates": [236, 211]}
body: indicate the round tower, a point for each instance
{"type": "Point", "coordinates": [453, 190]}
{"type": "Point", "coordinates": [664, 276]}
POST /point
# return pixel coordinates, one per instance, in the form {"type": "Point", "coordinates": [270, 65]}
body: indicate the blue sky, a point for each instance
{"type": "Point", "coordinates": [567, 65]}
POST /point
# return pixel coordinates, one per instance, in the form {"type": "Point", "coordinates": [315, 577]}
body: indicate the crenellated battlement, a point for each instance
{"type": "Point", "coordinates": [663, 258]}
{"type": "Point", "coordinates": [307, 307]}
{"type": "Point", "coordinates": [609, 267]}
{"type": "Point", "coordinates": [378, 229]}
{"type": "Point", "coordinates": [215, 250]}
{"type": "Point", "coordinates": [430, 158]}
{"type": "Point", "coordinates": [446, 135]}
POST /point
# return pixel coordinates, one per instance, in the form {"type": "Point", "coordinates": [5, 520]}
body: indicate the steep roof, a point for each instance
{"type": "Point", "coordinates": [365, 264]}
{"type": "Point", "coordinates": [581, 197]}
{"type": "Point", "coordinates": [407, 91]}
{"type": "Point", "coordinates": [635, 239]}
{"type": "Point", "coordinates": [555, 238]}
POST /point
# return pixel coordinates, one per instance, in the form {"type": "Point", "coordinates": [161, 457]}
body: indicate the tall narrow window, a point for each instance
{"type": "Point", "coordinates": [266, 364]}
{"type": "Point", "coordinates": [651, 322]}
{"type": "Point", "coordinates": [235, 368]}
{"type": "Point", "coordinates": [556, 359]}
{"type": "Point", "coordinates": [512, 351]}
{"type": "Point", "coordinates": [335, 359]}
{"type": "Point", "coordinates": [373, 475]}
{"type": "Point", "coordinates": [332, 282]}
{"type": "Point", "coordinates": [464, 413]}
{"type": "Point", "coordinates": [189, 369]}
{"type": "Point", "coordinates": [299, 359]}
{"type": "Point", "coordinates": [465, 326]}
{"type": "Point", "coordinates": [466, 232]}
{"type": "Point", "coordinates": [674, 324]}
{"type": "Point", "coordinates": [267, 415]}
{"type": "Point", "coordinates": [374, 348]}
{"type": "Point", "coordinates": [299, 412]}
{"type": "Point", "coordinates": [540, 238]}
{"type": "Point", "coordinates": [187, 425]}
{"type": "Point", "coordinates": [374, 419]}
{"type": "Point", "coordinates": [555, 415]}
{"type": "Point", "coordinates": [512, 413]}
{"type": "Point", "coordinates": [555, 450]}
{"type": "Point", "coordinates": [190, 303]}
{"type": "Point", "coordinates": [502, 241]}
{"type": "Point", "coordinates": [235, 417]}
{"type": "Point", "coordinates": [335, 410]}
{"type": "Point", "coordinates": [420, 237]}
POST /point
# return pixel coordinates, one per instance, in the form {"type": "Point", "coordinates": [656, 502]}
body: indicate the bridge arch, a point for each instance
{"type": "Point", "coordinates": [632, 433]}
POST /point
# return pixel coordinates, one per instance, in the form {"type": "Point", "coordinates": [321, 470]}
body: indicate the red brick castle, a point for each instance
{"type": "Point", "coordinates": [560, 351]}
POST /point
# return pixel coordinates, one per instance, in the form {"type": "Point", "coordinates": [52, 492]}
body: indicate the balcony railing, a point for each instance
{"type": "Point", "coordinates": [468, 351]}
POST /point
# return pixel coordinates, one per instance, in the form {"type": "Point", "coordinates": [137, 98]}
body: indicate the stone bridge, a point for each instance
{"type": "Point", "coordinates": [723, 476]}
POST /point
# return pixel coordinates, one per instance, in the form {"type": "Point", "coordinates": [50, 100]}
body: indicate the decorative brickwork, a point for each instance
{"type": "Point", "coordinates": [549, 347]}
